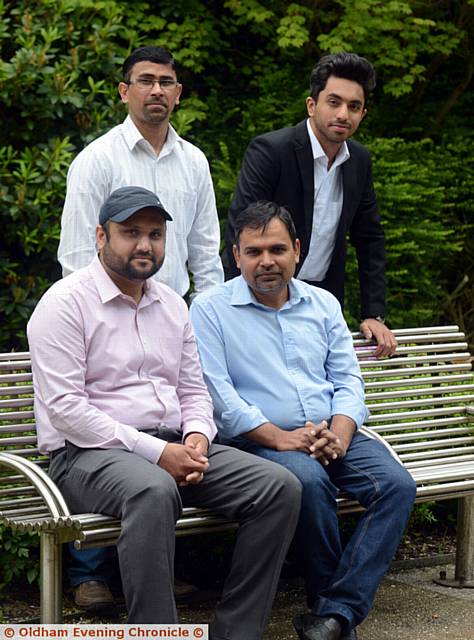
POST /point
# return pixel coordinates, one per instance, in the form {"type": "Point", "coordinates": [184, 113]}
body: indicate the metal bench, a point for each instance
{"type": "Point", "coordinates": [421, 404]}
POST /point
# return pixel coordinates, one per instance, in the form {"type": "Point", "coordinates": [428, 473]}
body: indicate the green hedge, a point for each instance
{"type": "Point", "coordinates": [245, 70]}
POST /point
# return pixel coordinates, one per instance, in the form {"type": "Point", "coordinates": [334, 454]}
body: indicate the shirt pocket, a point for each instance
{"type": "Point", "coordinates": [181, 205]}
{"type": "Point", "coordinates": [313, 349]}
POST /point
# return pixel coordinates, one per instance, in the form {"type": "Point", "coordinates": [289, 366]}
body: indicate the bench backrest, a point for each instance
{"type": "Point", "coordinates": [417, 401]}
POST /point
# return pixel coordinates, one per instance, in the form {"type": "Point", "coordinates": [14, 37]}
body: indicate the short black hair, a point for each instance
{"type": "Point", "coordinates": [345, 65]}
{"type": "Point", "coordinates": [259, 214]}
{"type": "Point", "coordinates": [148, 54]}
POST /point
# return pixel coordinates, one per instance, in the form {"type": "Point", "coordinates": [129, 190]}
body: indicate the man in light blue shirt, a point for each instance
{"type": "Point", "coordinates": [279, 363]}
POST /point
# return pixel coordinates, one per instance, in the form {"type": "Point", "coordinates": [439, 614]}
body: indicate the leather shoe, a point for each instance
{"type": "Point", "coordinates": [95, 597]}
{"type": "Point", "coordinates": [311, 627]}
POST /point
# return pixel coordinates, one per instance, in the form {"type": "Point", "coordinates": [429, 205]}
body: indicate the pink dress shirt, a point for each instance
{"type": "Point", "coordinates": [106, 368]}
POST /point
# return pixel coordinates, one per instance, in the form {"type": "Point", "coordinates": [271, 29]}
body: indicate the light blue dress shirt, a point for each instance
{"type": "Point", "coordinates": [285, 366]}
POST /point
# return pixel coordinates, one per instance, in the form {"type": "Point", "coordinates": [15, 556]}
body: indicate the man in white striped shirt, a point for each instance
{"type": "Point", "coordinates": [146, 151]}
{"type": "Point", "coordinates": [143, 151]}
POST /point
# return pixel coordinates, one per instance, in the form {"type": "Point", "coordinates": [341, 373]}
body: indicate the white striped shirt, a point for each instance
{"type": "Point", "coordinates": [179, 175]}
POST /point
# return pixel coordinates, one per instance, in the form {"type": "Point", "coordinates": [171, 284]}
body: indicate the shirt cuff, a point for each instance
{"type": "Point", "coordinates": [237, 422]}
{"type": "Point", "coordinates": [149, 447]}
{"type": "Point", "coordinates": [359, 415]}
{"type": "Point", "coordinates": [194, 426]}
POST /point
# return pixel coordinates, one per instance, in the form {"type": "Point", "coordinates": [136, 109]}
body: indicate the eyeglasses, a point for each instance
{"type": "Point", "coordinates": [145, 84]}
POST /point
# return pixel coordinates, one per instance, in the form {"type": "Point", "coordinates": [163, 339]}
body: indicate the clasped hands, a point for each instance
{"type": "Point", "coordinates": [187, 462]}
{"type": "Point", "coordinates": [317, 440]}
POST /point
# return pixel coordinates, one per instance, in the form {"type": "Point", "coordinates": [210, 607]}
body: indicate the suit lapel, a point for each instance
{"type": "Point", "coordinates": [304, 159]}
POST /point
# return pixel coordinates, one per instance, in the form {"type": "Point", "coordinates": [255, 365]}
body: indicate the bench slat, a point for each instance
{"type": "Point", "coordinates": [18, 513]}
{"type": "Point", "coordinates": [17, 415]}
{"type": "Point", "coordinates": [401, 362]}
{"type": "Point", "coordinates": [17, 491]}
{"type": "Point", "coordinates": [421, 402]}
{"type": "Point", "coordinates": [16, 390]}
{"type": "Point", "coordinates": [421, 381]}
{"type": "Point", "coordinates": [15, 377]}
{"type": "Point", "coordinates": [18, 440]}
{"type": "Point", "coordinates": [367, 374]}
{"type": "Point", "coordinates": [15, 355]}
{"type": "Point", "coordinates": [436, 453]}
{"type": "Point", "coordinates": [10, 403]}
{"type": "Point", "coordinates": [444, 411]}
{"type": "Point", "coordinates": [21, 502]}
{"type": "Point", "coordinates": [445, 491]}
{"type": "Point", "coordinates": [12, 365]}
{"type": "Point", "coordinates": [416, 332]}
{"type": "Point", "coordinates": [402, 351]}
{"type": "Point", "coordinates": [420, 424]}
{"type": "Point", "coordinates": [430, 445]}
{"type": "Point", "coordinates": [428, 462]}
{"type": "Point", "coordinates": [17, 428]}
{"type": "Point", "coordinates": [435, 433]}
{"type": "Point", "coordinates": [417, 391]}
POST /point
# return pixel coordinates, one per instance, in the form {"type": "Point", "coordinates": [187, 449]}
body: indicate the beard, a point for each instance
{"type": "Point", "coordinates": [133, 273]}
{"type": "Point", "coordinates": [125, 267]}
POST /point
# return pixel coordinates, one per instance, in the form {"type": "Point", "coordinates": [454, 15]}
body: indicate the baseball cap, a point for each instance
{"type": "Point", "coordinates": [124, 202]}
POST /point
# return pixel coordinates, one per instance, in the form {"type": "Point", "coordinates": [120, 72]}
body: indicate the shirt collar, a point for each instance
{"type": "Point", "coordinates": [298, 291]}
{"type": "Point", "coordinates": [318, 152]}
{"type": "Point", "coordinates": [242, 294]}
{"type": "Point", "coordinates": [108, 290]}
{"type": "Point", "coordinates": [133, 136]}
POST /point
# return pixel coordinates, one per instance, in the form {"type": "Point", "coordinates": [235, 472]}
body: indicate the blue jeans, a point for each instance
{"type": "Point", "coordinates": [343, 582]}
{"type": "Point", "coordinates": [91, 564]}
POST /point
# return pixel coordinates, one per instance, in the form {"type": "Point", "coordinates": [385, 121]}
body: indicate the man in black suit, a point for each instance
{"type": "Point", "coordinates": [325, 180]}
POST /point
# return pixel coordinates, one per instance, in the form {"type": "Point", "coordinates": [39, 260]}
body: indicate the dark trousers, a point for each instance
{"type": "Point", "coordinates": [262, 496]}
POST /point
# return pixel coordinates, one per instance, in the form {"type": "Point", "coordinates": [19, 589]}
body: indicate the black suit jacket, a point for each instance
{"type": "Point", "coordinates": [278, 166]}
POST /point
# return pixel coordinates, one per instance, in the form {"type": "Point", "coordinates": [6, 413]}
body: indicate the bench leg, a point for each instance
{"type": "Point", "coordinates": [465, 542]}
{"type": "Point", "coordinates": [464, 574]}
{"type": "Point", "coordinates": [51, 588]}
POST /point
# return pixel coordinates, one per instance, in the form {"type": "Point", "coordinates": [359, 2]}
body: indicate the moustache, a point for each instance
{"type": "Point", "coordinates": [139, 256]}
{"type": "Point", "coordinates": [268, 273]}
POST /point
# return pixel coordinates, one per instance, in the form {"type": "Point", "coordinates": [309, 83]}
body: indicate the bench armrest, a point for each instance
{"type": "Point", "coordinates": [40, 480]}
{"type": "Point", "coordinates": [375, 436]}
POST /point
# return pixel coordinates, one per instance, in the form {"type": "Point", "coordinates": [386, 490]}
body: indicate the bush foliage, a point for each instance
{"type": "Point", "coordinates": [245, 68]}
{"type": "Point", "coordinates": [18, 557]}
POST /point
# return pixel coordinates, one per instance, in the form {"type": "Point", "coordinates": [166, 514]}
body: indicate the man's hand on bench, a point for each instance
{"type": "Point", "coordinates": [374, 329]}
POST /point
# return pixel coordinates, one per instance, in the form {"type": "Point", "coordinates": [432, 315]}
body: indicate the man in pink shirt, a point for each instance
{"type": "Point", "coordinates": [122, 409]}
